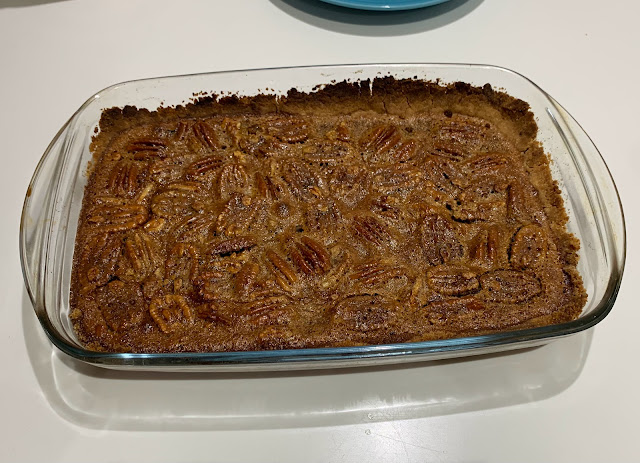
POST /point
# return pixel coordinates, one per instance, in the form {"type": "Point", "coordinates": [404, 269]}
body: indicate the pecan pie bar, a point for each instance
{"type": "Point", "coordinates": [382, 211]}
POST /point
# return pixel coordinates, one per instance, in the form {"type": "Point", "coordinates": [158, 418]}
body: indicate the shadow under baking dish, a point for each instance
{"type": "Point", "coordinates": [98, 398]}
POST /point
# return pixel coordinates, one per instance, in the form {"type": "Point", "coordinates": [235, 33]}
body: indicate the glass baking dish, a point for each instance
{"type": "Point", "coordinates": [54, 198]}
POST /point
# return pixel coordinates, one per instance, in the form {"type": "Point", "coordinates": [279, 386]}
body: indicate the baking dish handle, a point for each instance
{"type": "Point", "coordinates": [36, 220]}
{"type": "Point", "coordinates": [609, 223]}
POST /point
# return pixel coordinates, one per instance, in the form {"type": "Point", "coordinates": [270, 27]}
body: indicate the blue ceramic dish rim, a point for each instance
{"type": "Point", "coordinates": [385, 5]}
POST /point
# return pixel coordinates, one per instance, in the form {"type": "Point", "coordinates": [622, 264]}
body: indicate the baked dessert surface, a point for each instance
{"type": "Point", "coordinates": [363, 213]}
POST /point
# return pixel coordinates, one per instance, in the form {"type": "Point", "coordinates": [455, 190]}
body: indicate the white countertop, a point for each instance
{"type": "Point", "coordinates": [576, 399]}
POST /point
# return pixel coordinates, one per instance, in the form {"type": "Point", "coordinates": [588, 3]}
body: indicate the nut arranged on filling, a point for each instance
{"type": "Point", "coordinates": [415, 211]}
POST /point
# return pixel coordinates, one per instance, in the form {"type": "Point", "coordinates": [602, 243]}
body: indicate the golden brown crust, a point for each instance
{"type": "Point", "coordinates": [362, 213]}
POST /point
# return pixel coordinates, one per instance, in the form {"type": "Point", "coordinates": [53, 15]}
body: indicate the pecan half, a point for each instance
{"type": "Point", "coordinates": [176, 199]}
{"type": "Point", "coordinates": [182, 267]}
{"type": "Point", "coordinates": [170, 311]}
{"type": "Point", "coordinates": [233, 178]}
{"type": "Point", "coordinates": [236, 215]}
{"type": "Point", "coordinates": [439, 240]}
{"type": "Point", "coordinates": [365, 313]}
{"type": "Point", "coordinates": [124, 178]}
{"type": "Point", "coordinates": [384, 205]}
{"type": "Point", "coordinates": [181, 130]}
{"type": "Point", "coordinates": [302, 181]}
{"type": "Point", "coordinates": [489, 165]}
{"type": "Point", "coordinates": [370, 229]}
{"type": "Point", "coordinates": [398, 176]}
{"type": "Point", "coordinates": [511, 286]}
{"type": "Point", "coordinates": [205, 135]}
{"type": "Point", "coordinates": [518, 209]}
{"type": "Point", "coordinates": [375, 273]}
{"type": "Point", "coordinates": [114, 217]}
{"type": "Point", "coordinates": [310, 256]}
{"type": "Point", "coordinates": [236, 244]}
{"type": "Point", "coordinates": [484, 248]}
{"type": "Point", "coordinates": [293, 130]}
{"type": "Point", "coordinates": [459, 139]}
{"type": "Point", "coordinates": [147, 148]}
{"type": "Point", "coordinates": [203, 166]}
{"type": "Point", "coordinates": [102, 252]}
{"type": "Point", "coordinates": [285, 275]}
{"type": "Point", "coordinates": [141, 250]}
{"type": "Point", "coordinates": [267, 187]}
{"type": "Point", "coordinates": [453, 281]}
{"type": "Point", "coordinates": [381, 139]}
{"type": "Point", "coordinates": [322, 216]}
{"type": "Point", "coordinates": [245, 279]}
{"type": "Point", "coordinates": [529, 247]}
{"type": "Point", "coordinates": [464, 311]}
{"type": "Point", "coordinates": [478, 211]}
{"type": "Point", "coordinates": [217, 316]}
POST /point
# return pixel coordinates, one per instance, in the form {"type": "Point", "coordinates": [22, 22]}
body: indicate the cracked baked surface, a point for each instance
{"type": "Point", "coordinates": [363, 213]}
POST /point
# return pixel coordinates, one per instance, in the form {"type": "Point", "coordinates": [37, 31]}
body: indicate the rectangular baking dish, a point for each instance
{"type": "Point", "coordinates": [54, 198]}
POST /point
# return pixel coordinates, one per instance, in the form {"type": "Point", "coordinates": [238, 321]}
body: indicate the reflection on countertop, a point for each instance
{"type": "Point", "coordinates": [98, 398]}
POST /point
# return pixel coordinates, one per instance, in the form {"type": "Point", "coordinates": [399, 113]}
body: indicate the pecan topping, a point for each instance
{"type": "Point", "coordinates": [289, 130]}
{"type": "Point", "coordinates": [370, 229]}
{"type": "Point", "coordinates": [303, 183]}
{"type": "Point", "coordinates": [182, 264]}
{"type": "Point", "coordinates": [124, 178]}
{"type": "Point", "coordinates": [453, 281]}
{"type": "Point", "coordinates": [233, 178]}
{"type": "Point", "coordinates": [141, 251]}
{"type": "Point", "coordinates": [484, 247]}
{"type": "Point", "coordinates": [147, 148]}
{"type": "Point", "coordinates": [246, 279]}
{"type": "Point", "coordinates": [381, 139]}
{"type": "Point", "coordinates": [439, 240]}
{"type": "Point", "coordinates": [310, 256]}
{"type": "Point", "coordinates": [236, 216]}
{"type": "Point", "coordinates": [205, 135]}
{"type": "Point", "coordinates": [102, 252]}
{"type": "Point", "coordinates": [169, 312]}
{"type": "Point", "coordinates": [203, 166]}
{"type": "Point", "coordinates": [237, 244]}
{"type": "Point", "coordinates": [375, 273]}
{"type": "Point", "coordinates": [114, 217]}
{"type": "Point", "coordinates": [365, 313]}
{"type": "Point", "coordinates": [363, 213]}
{"type": "Point", "coordinates": [512, 286]}
{"type": "Point", "coordinates": [529, 247]}
{"type": "Point", "coordinates": [398, 176]}
{"type": "Point", "coordinates": [284, 274]}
